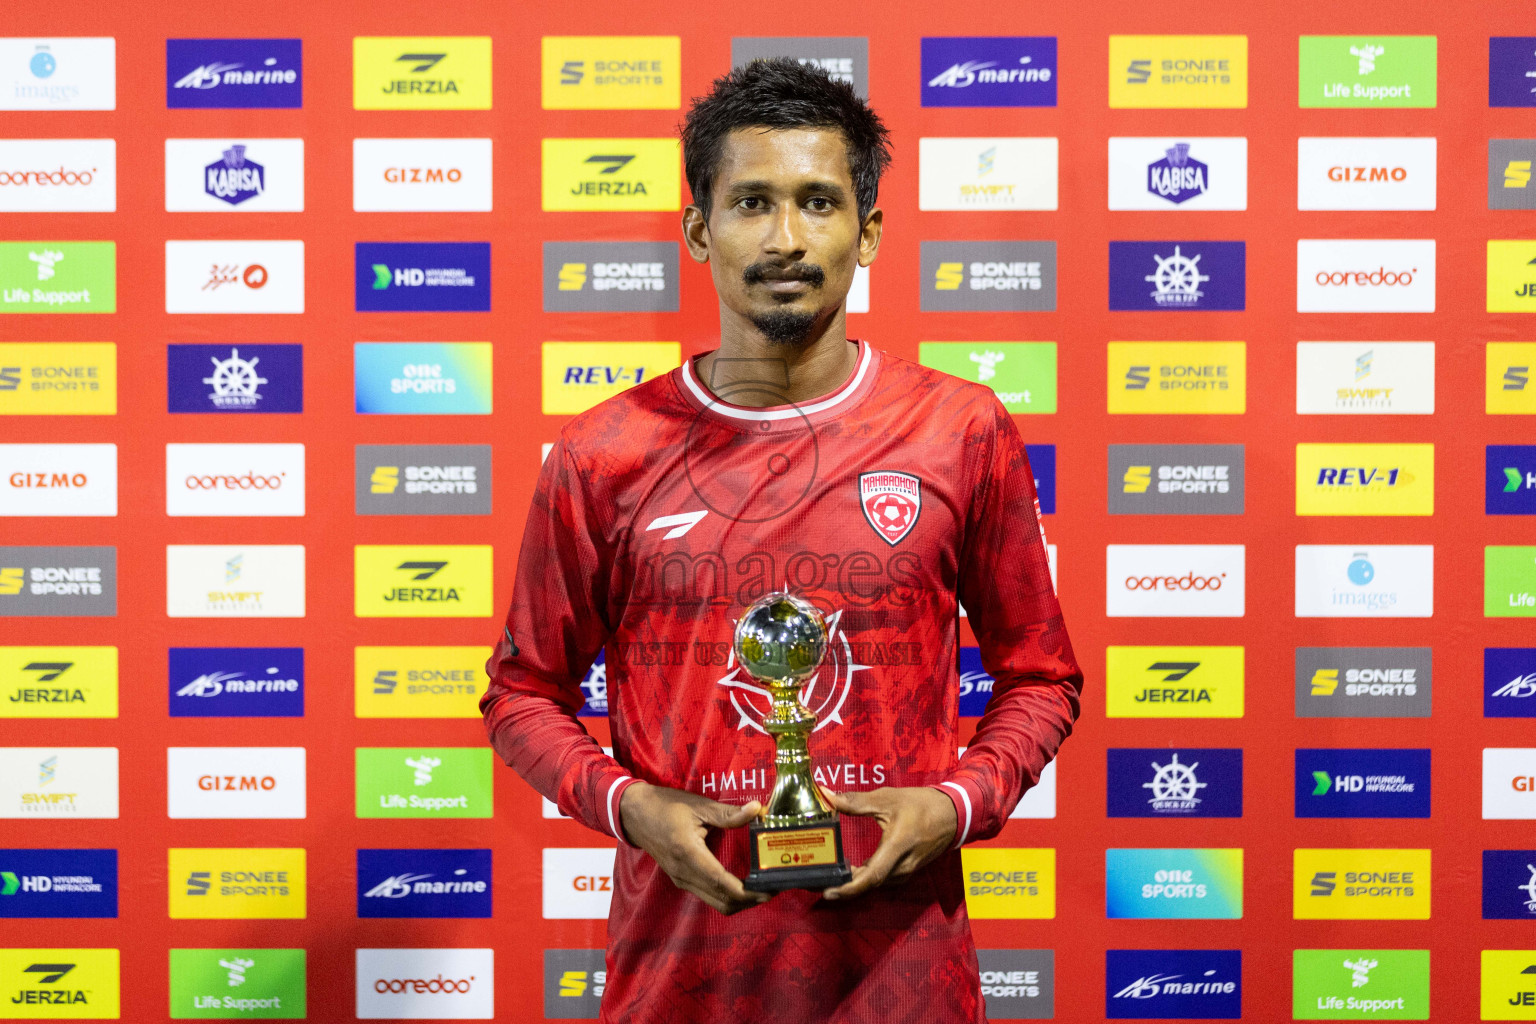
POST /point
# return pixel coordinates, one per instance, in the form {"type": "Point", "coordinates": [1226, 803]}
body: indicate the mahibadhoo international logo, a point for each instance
{"type": "Point", "coordinates": [1189, 984]}
{"type": "Point", "coordinates": [1362, 783]}
{"type": "Point", "coordinates": [1177, 276]}
{"type": "Point", "coordinates": [236, 682]}
{"type": "Point", "coordinates": [989, 71]}
{"type": "Point", "coordinates": [58, 883]}
{"type": "Point", "coordinates": [424, 883]}
{"type": "Point", "coordinates": [218, 74]}
{"type": "Point", "coordinates": [1163, 782]}
{"type": "Point", "coordinates": [441, 277]}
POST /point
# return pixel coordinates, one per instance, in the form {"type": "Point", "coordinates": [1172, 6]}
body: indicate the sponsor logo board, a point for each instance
{"type": "Point", "coordinates": [611, 72]}
{"type": "Point", "coordinates": [1174, 580]}
{"type": "Point", "coordinates": [1178, 377]}
{"type": "Point", "coordinates": [1360, 984]}
{"type": "Point", "coordinates": [1365, 275]}
{"type": "Point", "coordinates": [59, 984]}
{"type": "Point", "coordinates": [1507, 991]}
{"type": "Point", "coordinates": [844, 58]}
{"type": "Point", "coordinates": [1177, 276]}
{"type": "Point", "coordinates": [238, 984]}
{"type": "Point", "coordinates": [987, 173]}
{"type": "Point", "coordinates": [419, 682]}
{"type": "Point", "coordinates": [222, 883]}
{"type": "Point", "coordinates": [1340, 173]}
{"type": "Point", "coordinates": [235, 782]}
{"type": "Point", "coordinates": [58, 479]}
{"type": "Point", "coordinates": [989, 71]}
{"type": "Point", "coordinates": [58, 682]}
{"type": "Point", "coordinates": [1509, 885]}
{"type": "Point", "coordinates": [58, 277]}
{"type": "Point", "coordinates": [234, 277]}
{"type": "Point", "coordinates": [58, 782]}
{"type": "Point", "coordinates": [57, 175]}
{"type": "Point", "coordinates": [1009, 884]}
{"type": "Point", "coordinates": [1173, 682]}
{"type": "Point", "coordinates": [59, 73]}
{"type": "Point", "coordinates": [1365, 479]}
{"type": "Point", "coordinates": [221, 74]}
{"type": "Point", "coordinates": [1190, 984]}
{"type": "Point", "coordinates": [998, 276]}
{"type": "Point", "coordinates": [440, 378]}
{"type": "Point", "coordinates": [1511, 279]}
{"type": "Point", "coordinates": [1021, 373]}
{"type": "Point", "coordinates": [579, 374]}
{"type": "Point", "coordinates": [422, 581]}
{"type": "Point", "coordinates": [1507, 379]}
{"type": "Point", "coordinates": [236, 682]}
{"type": "Point", "coordinates": [58, 883]}
{"type": "Point", "coordinates": [1509, 67]}
{"type": "Point", "coordinates": [435, 984]}
{"type": "Point", "coordinates": [234, 479]}
{"type": "Point", "coordinates": [421, 72]}
{"type": "Point", "coordinates": [1362, 783]}
{"type": "Point", "coordinates": [1018, 984]}
{"type": "Point", "coordinates": [1509, 172]}
{"type": "Point", "coordinates": [1188, 173]}
{"type": "Point", "coordinates": [1509, 783]}
{"type": "Point", "coordinates": [421, 175]}
{"type": "Point", "coordinates": [234, 175]}
{"type": "Point", "coordinates": [1367, 71]}
{"type": "Point", "coordinates": [58, 581]}
{"type": "Point", "coordinates": [395, 277]}
{"type": "Point", "coordinates": [578, 883]}
{"type": "Point", "coordinates": [1364, 682]}
{"type": "Point", "coordinates": [234, 378]}
{"type": "Point", "coordinates": [611, 174]}
{"type": "Point", "coordinates": [1365, 378]}
{"type": "Point", "coordinates": [423, 782]}
{"type": "Point", "coordinates": [1168, 782]}
{"type": "Point", "coordinates": [1176, 479]}
{"type": "Point", "coordinates": [1365, 581]}
{"type": "Point", "coordinates": [234, 581]}
{"type": "Point", "coordinates": [58, 378]}
{"type": "Point", "coordinates": [1178, 72]}
{"type": "Point", "coordinates": [1360, 884]}
{"type": "Point", "coordinates": [424, 883]}
{"type": "Point", "coordinates": [1509, 682]}
{"type": "Point", "coordinates": [1510, 479]}
{"type": "Point", "coordinates": [423, 479]}
{"type": "Point", "coordinates": [1169, 883]}
{"type": "Point", "coordinates": [574, 981]}
{"type": "Point", "coordinates": [610, 277]}
{"type": "Point", "coordinates": [1509, 581]}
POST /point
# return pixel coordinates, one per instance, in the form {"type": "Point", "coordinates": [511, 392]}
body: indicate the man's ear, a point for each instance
{"type": "Point", "coordinates": [869, 236]}
{"type": "Point", "coordinates": [696, 233]}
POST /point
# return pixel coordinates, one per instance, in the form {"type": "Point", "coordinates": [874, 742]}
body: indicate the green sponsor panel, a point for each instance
{"type": "Point", "coordinates": [1367, 71]}
{"type": "Point", "coordinates": [1360, 984]}
{"type": "Point", "coordinates": [1509, 582]}
{"type": "Point", "coordinates": [423, 782]}
{"type": "Point", "coordinates": [237, 984]}
{"type": "Point", "coordinates": [58, 277]}
{"type": "Point", "coordinates": [1021, 373]}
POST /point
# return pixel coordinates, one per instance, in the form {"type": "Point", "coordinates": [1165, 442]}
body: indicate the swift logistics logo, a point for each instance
{"type": "Point", "coordinates": [1509, 885]}
{"type": "Point", "coordinates": [224, 74]}
{"type": "Point", "coordinates": [1365, 581]}
{"type": "Point", "coordinates": [611, 72]}
{"type": "Point", "coordinates": [58, 480]}
{"type": "Point", "coordinates": [1360, 884]}
{"type": "Point", "coordinates": [1511, 276]}
{"type": "Point", "coordinates": [1362, 783]}
{"type": "Point", "coordinates": [58, 378]}
{"type": "Point", "coordinates": [434, 984]}
{"type": "Point", "coordinates": [1178, 377]}
{"type": "Point", "coordinates": [441, 277]}
{"type": "Point", "coordinates": [424, 883]}
{"type": "Point", "coordinates": [421, 175]}
{"type": "Point", "coordinates": [1009, 884]}
{"type": "Point", "coordinates": [61, 73]}
{"type": "Point", "coordinates": [419, 682]}
{"type": "Point", "coordinates": [997, 276]}
{"type": "Point", "coordinates": [1173, 682]}
{"type": "Point", "coordinates": [1187, 984]}
{"type": "Point", "coordinates": [236, 682]}
{"type": "Point", "coordinates": [422, 479]}
{"type": "Point", "coordinates": [1177, 276]}
{"type": "Point", "coordinates": [1360, 984]}
{"type": "Point", "coordinates": [422, 581]}
{"type": "Point", "coordinates": [423, 782]}
{"type": "Point", "coordinates": [1178, 72]}
{"type": "Point", "coordinates": [989, 71]}
{"type": "Point", "coordinates": [844, 58]}
{"type": "Point", "coordinates": [58, 883]}
{"type": "Point", "coordinates": [1509, 581]}
{"type": "Point", "coordinates": [234, 276]}
{"type": "Point", "coordinates": [1509, 71]}
{"type": "Point", "coordinates": [1176, 479]}
{"type": "Point", "coordinates": [421, 73]}
{"type": "Point", "coordinates": [610, 174]}
{"type": "Point", "coordinates": [1510, 479]}
{"type": "Point", "coordinates": [1178, 173]}
{"type": "Point", "coordinates": [1509, 171]}
{"type": "Point", "coordinates": [1507, 992]}
{"type": "Point", "coordinates": [1364, 682]}
{"type": "Point", "coordinates": [234, 581]}
{"type": "Point", "coordinates": [1174, 782]}
{"type": "Point", "coordinates": [1174, 580]}
{"type": "Point", "coordinates": [1021, 373]}
{"type": "Point", "coordinates": [1509, 783]}
{"type": "Point", "coordinates": [1509, 682]}
{"type": "Point", "coordinates": [58, 782]}
{"type": "Point", "coordinates": [58, 682]}
{"type": "Point", "coordinates": [610, 277]}
{"type": "Point", "coordinates": [1365, 479]}
{"type": "Point", "coordinates": [574, 981]}
{"type": "Point", "coordinates": [58, 581]}
{"type": "Point", "coordinates": [1507, 377]}
{"type": "Point", "coordinates": [58, 277]}
{"type": "Point", "coordinates": [60, 983]}
{"type": "Point", "coordinates": [579, 374]}
{"type": "Point", "coordinates": [1365, 173]}
{"type": "Point", "coordinates": [58, 175]}
{"type": "Point", "coordinates": [234, 175]}
{"type": "Point", "coordinates": [238, 984]}
{"type": "Point", "coordinates": [236, 883]}
{"type": "Point", "coordinates": [234, 378]}
{"type": "Point", "coordinates": [987, 173]}
{"type": "Point", "coordinates": [1362, 378]}
{"type": "Point", "coordinates": [1365, 275]}
{"type": "Point", "coordinates": [235, 782]}
{"type": "Point", "coordinates": [439, 378]}
{"type": "Point", "coordinates": [1366, 71]}
{"type": "Point", "coordinates": [1167, 884]}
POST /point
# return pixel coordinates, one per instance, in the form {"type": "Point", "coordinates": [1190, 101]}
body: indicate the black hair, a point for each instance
{"type": "Point", "coordinates": [781, 93]}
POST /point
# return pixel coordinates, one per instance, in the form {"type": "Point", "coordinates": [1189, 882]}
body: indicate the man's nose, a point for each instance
{"type": "Point", "coordinates": [786, 234]}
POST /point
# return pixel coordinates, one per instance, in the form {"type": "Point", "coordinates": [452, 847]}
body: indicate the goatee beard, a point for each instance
{"type": "Point", "coordinates": [785, 327]}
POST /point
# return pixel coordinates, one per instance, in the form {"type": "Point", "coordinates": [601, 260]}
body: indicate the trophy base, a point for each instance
{"type": "Point", "coordinates": [796, 857]}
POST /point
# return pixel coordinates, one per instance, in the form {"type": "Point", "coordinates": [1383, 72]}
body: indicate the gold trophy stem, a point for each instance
{"type": "Point", "coordinates": [795, 799]}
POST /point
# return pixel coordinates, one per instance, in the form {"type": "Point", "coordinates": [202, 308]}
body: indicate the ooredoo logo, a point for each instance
{"type": "Point", "coordinates": [1174, 580]}
{"type": "Point", "coordinates": [1390, 275]}
{"type": "Point", "coordinates": [234, 479]}
{"type": "Point", "coordinates": [55, 175]}
{"type": "Point", "coordinates": [457, 984]}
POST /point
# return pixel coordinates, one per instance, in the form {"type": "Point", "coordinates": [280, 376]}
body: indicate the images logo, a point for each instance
{"type": "Point", "coordinates": [241, 175]}
{"type": "Point", "coordinates": [424, 479]}
{"type": "Point", "coordinates": [1176, 479]}
{"type": "Point", "coordinates": [235, 782]}
{"type": "Point", "coordinates": [1200, 377]}
{"type": "Point", "coordinates": [1356, 984]}
{"type": "Point", "coordinates": [58, 782]}
{"type": "Point", "coordinates": [1361, 884]}
{"type": "Point", "coordinates": [574, 980]}
{"type": "Point", "coordinates": [1373, 71]}
{"type": "Point", "coordinates": [443, 378]}
{"type": "Point", "coordinates": [68, 73]}
{"type": "Point", "coordinates": [234, 277]}
{"type": "Point", "coordinates": [229, 378]}
{"type": "Point", "coordinates": [420, 782]}
{"type": "Point", "coordinates": [55, 581]}
{"type": "Point", "coordinates": [222, 884]}
{"type": "Point", "coordinates": [60, 983]}
{"type": "Point", "coordinates": [405, 984]}
{"type": "Point", "coordinates": [579, 374]}
{"type": "Point", "coordinates": [845, 59]}
{"type": "Point", "coordinates": [611, 72]}
{"type": "Point", "coordinates": [1362, 783]}
{"type": "Point", "coordinates": [1372, 581]}
{"type": "Point", "coordinates": [610, 277]}
{"type": "Point", "coordinates": [963, 276]}
{"type": "Point", "coordinates": [421, 73]}
{"type": "Point", "coordinates": [236, 682]}
{"type": "Point", "coordinates": [1021, 373]}
{"type": "Point", "coordinates": [1165, 884]}
{"type": "Point", "coordinates": [424, 883]}
{"type": "Point", "coordinates": [1509, 783]}
{"type": "Point", "coordinates": [58, 682]}
{"type": "Point", "coordinates": [419, 682]}
{"type": "Point", "coordinates": [989, 71]}
{"type": "Point", "coordinates": [611, 174]}
{"type": "Point", "coordinates": [1174, 580]}
{"type": "Point", "coordinates": [1195, 984]}
{"type": "Point", "coordinates": [1009, 884]}
{"type": "Point", "coordinates": [1175, 783]}
{"type": "Point", "coordinates": [578, 883]}
{"type": "Point", "coordinates": [1509, 582]}
{"type": "Point", "coordinates": [58, 883]}
{"type": "Point", "coordinates": [1178, 71]}
{"type": "Point", "coordinates": [409, 276]}
{"type": "Point", "coordinates": [1358, 275]}
{"type": "Point", "coordinates": [987, 173]}
{"type": "Point", "coordinates": [1509, 71]}
{"type": "Point", "coordinates": [58, 175]}
{"type": "Point", "coordinates": [58, 480]}
{"type": "Point", "coordinates": [1365, 479]}
{"type": "Point", "coordinates": [58, 277]}
{"type": "Point", "coordinates": [1173, 682]}
{"type": "Point", "coordinates": [234, 581]}
{"type": "Point", "coordinates": [1170, 276]}
{"type": "Point", "coordinates": [1509, 682]}
{"type": "Point", "coordinates": [1365, 377]}
{"type": "Point", "coordinates": [238, 984]}
{"type": "Point", "coordinates": [1178, 173]}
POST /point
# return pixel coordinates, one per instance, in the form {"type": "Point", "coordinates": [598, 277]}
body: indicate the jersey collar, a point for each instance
{"type": "Point", "coordinates": [833, 401]}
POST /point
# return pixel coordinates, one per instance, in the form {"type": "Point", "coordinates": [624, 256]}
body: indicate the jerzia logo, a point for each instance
{"type": "Point", "coordinates": [421, 73]}
{"type": "Point", "coordinates": [610, 174]}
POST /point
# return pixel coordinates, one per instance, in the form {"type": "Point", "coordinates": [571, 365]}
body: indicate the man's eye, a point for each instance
{"type": "Point", "coordinates": [751, 203]}
{"type": "Point", "coordinates": [821, 203]}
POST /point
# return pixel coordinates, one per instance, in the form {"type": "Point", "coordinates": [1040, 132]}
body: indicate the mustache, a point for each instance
{"type": "Point", "coordinates": [767, 271]}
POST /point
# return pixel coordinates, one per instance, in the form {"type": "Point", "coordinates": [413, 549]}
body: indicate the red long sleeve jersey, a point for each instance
{"type": "Point", "coordinates": [658, 517]}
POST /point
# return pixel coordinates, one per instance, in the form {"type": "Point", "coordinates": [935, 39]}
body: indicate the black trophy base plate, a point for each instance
{"type": "Point", "coordinates": [770, 873]}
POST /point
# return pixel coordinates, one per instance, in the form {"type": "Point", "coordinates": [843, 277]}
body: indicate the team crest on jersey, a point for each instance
{"type": "Point", "coordinates": [891, 502]}
{"type": "Point", "coordinates": [825, 694]}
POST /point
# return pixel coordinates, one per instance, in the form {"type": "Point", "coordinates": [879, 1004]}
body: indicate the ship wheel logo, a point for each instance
{"type": "Point", "coordinates": [825, 694]}
{"type": "Point", "coordinates": [234, 380]}
{"type": "Point", "coordinates": [1174, 786]}
{"type": "Point", "coordinates": [1177, 279]}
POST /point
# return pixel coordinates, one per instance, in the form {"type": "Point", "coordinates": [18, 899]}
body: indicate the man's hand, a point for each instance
{"type": "Point", "coordinates": [917, 824]}
{"type": "Point", "coordinates": [670, 825]}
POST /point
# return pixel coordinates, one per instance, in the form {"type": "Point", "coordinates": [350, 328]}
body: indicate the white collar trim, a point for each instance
{"type": "Point", "coordinates": [709, 401]}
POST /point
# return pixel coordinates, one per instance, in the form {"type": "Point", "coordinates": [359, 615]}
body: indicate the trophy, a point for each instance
{"type": "Point", "coordinates": [796, 843]}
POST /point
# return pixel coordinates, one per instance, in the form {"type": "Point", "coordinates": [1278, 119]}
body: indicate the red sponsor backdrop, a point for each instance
{"type": "Point", "coordinates": [1081, 429]}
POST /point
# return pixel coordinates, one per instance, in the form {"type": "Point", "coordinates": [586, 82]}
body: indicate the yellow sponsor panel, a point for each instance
{"type": "Point", "coordinates": [1173, 682]}
{"type": "Point", "coordinates": [1510, 388]}
{"type": "Point", "coordinates": [1178, 71]}
{"type": "Point", "coordinates": [580, 374]}
{"type": "Point", "coordinates": [421, 72]}
{"type": "Point", "coordinates": [60, 984]}
{"type": "Point", "coordinates": [1511, 276]}
{"type": "Point", "coordinates": [58, 682]}
{"type": "Point", "coordinates": [1161, 377]}
{"type": "Point", "coordinates": [1009, 884]}
{"type": "Point", "coordinates": [1508, 984]}
{"type": "Point", "coordinates": [612, 72]}
{"type": "Point", "coordinates": [1371, 885]}
{"type": "Point", "coordinates": [235, 882]}
{"type": "Point", "coordinates": [422, 580]}
{"type": "Point", "coordinates": [612, 174]}
{"type": "Point", "coordinates": [1365, 479]}
{"type": "Point", "coordinates": [419, 682]}
{"type": "Point", "coordinates": [58, 378]}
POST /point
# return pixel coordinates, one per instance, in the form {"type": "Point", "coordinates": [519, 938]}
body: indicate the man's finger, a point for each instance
{"type": "Point", "coordinates": [727, 815]}
{"type": "Point", "coordinates": [699, 871]}
{"type": "Point", "coordinates": [873, 872]}
{"type": "Point", "coordinates": [860, 804]}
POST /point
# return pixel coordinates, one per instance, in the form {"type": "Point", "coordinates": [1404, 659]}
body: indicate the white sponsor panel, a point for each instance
{"type": "Point", "coordinates": [58, 175]}
{"type": "Point", "coordinates": [58, 73]}
{"type": "Point", "coordinates": [1356, 378]}
{"type": "Point", "coordinates": [234, 479]}
{"type": "Point", "coordinates": [58, 479]}
{"type": "Point", "coordinates": [1365, 275]}
{"type": "Point", "coordinates": [58, 783]}
{"type": "Point", "coordinates": [235, 276]}
{"type": "Point", "coordinates": [1365, 581]}
{"type": "Point", "coordinates": [234, 581]}
{"type": "Point", "coordinates": [1174, 580]}
{"type": "Point", "coordinates": [234, 175]}
{"type": "Point", "coordinates": [234, 782]}
{"type": "Point", "coordinates": [578, 883]}
{"type": "Point", "coordinates": [1198, 173]}
{"type": "Point", "coordinates": [858, 292]}
{"type": "Point", "coordinates": [1509, 782]}
{"type": "Point", "coordinates": [986, 173]}
{"type": "Point", "coordinates": [421, 175]}
{"type": "Point", "coordinates": [1365, 173]}
{"type": "Point", "coordinates": [430, 984]}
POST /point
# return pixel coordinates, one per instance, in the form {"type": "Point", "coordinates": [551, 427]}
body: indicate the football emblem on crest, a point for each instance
{"type": "Point", "coordinates": [891, 502]}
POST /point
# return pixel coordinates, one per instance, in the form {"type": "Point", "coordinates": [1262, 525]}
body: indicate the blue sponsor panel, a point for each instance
{"type": "Point", "coordinates": [445, 378]}
{"type": "Point", "coordinates": [594, 688]}
{"type": "Point", "coordinates": [1509, 885]}
{"type": "Point", "coordinates": [975, 684]}
{"type": "Point", "coordinates": [439, 277]}
{"type": "Point", "coordinates": [237, 682]}
{"type": "Point", "coordinates": [222, 74]}
{"type": "Point", "coordinates": [234, 378]}
{"type": "Point", "coordinates": [1509, 71]}
{"type": "Point", "coordinates": [1172, 984]}
{"type": "Point", "coordinates": [1511, 480]}
{"type": "Point", "coordinates": [989, 71]}
{"type": "Point", "coordinates": [1509, 682]}
{"type": "Point", "coordinates": [1042, 460]}
{"type": "Point", "coordinates": [1182, 782]}
{"type": "Point", "coordinates": [1178, 276]}
{"type": "Point", "coordinates": [424, 883]}
{"type": "Point", "coordinates": [58, 883]}
{"type": "Point", "coordinates": [1362, 783]}
{"type": "Point", "coordinates": [1167, 884]}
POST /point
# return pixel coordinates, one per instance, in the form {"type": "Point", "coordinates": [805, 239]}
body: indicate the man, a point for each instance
{"type": "Point", "coordinates": [874, 487]}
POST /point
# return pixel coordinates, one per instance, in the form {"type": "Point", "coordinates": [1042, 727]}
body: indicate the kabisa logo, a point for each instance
{"type": "Point", "coordinates": [1367, 884]}
{"type": "Point", "coordinates": [226, 883]}
{"type": "Point", "coordinates": [1021, 373]}
{"type": "Point", "coordinates": [611, 72]}
{"type": "Point", "coordinates": [1376, 581]}
{"type": "Point", "coordinates": [68, 73]}
{"type": "Point", "coordinates": [574, 980]}
{"type": "Point", "coordinates": [1510, 67]}
{"type": "Point", "coordinates": [1177, 176]}
{"type": "Point", "coordinates": [421, 73]}
{"type": "Point", "coordinates": [594, 689]}
{"type": "Point", "coordinates": [579, 374]}
{"type": "Point", "coordinates": [1197, 984]}
{"type": "Point", "coordinates": [1362, 783]}
{"type": "Point", "coordinates": [1365, 479]}
{"type": "Point", "coordinates": [238, 984]}
{"type": "Point", "coordinates": [57, 175]}
{"type": "Point", "coordinates": [1509, 169]}
{"type": "Point", "coordinates": [53, 581]}
{"type": "Point", "coordinates": [422, 580]}
{"type": "Point", "coordinates": [58, 782]}
{"type": "Point", "coordinates": [1509, 682]}
{"type": "Point", "coordinates": [610, 174]}
{"type": "Point", "coordinates": [1170, 883]}
{"type": "Point", "coordinates": [405, 984]}
{"type": "Point", "coordinates": [441, 378]}
{"type": "Point", "coordinates": [1507, 377]}
{"type": "Point", "coordinates": [419, 682]}
{"type": "Point", "coordinates": [437, 276]}
{"type": "Point", "coordinates": [1177, 276]}
{"type": "Point", "coordinates": [1367, 71]}
{"type": "Point", "coordinates": [58, 682]}
{"type": "Point", "coordinates": [1178, 71]}
{"type": "Point", "coordinates": [1365, 378]}
{"type": "Point", "coordinates": [60, 983]}
{"type": "Point", "coordinates": [426, 479]}
{"type": "Point", "coordinates": [1174, 682]}
{"type": "Point", "coordinates": [225, 73]}
{"type": "Point", "coordinates": [234, 178]}
{"type": "Point", "coordinates": [1175, 783]}
{"type": "Point", "coordinates": [418, 782]}
{"type": "Point", "coordinates": [58, 883]}
{"type": "Point", "coordinates": [1179, 173]}
{"type": "Point", "coordinates": [58, 277]}
{"type": "Point", "coordinates": [989, 71]}
{"type": "Point", "coordinates": [1509, 885]}
{"type": "Point", "coordinates": [845, 59]}
{"type": "Point", "coordinates": [1360, 984]}
{"type": "Point", "coordinates": [235, 378]}
{"type": "Point", "coordinates": [1176, 479]}
{"type": "Point", "coordinates": [1365, 275]}
{"type": "Point", "coordinates": [424, 883]}
{"type": "Point", "coordinates": [975, 683]}
{"type": "Point", "coordinates": [58, 378]}
{"type": "Point", "coordinates": [236, 682]}
{"type": "Point", "coordinates": [610, 277]}
{"type": "Point", "coordinates": [961, 276]}
{"type": "Point", "coordinates": [1364, 682]}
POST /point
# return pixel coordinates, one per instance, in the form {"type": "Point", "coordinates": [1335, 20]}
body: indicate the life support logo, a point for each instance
{"type": "Point", "coordinates": [891, 503]}
{"type": "Point", "coordinates": [824, 695]}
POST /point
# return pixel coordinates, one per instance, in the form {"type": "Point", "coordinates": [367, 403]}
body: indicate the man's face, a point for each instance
{"type": "Point", "coordinates": [783, 236]}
